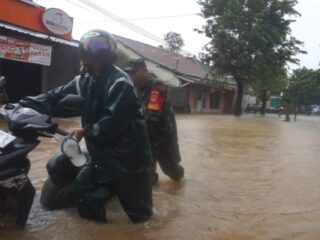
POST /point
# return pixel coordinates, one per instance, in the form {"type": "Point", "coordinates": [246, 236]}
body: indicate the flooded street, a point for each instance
{"type": "Point", "coordinates": [246, 178]}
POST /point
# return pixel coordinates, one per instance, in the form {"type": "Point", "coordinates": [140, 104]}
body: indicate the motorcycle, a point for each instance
{"type": "Point", "coordinates": [25, 126]}
{"type": "Point", "coordinates": [3, 94]}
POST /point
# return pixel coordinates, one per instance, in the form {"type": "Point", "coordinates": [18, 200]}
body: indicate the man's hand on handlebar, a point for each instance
{"type": "Point", "coordinates": [77, 133]}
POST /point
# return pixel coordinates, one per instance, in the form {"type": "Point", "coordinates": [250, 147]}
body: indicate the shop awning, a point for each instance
{"type": "Point", "coordinates": [37, 34]}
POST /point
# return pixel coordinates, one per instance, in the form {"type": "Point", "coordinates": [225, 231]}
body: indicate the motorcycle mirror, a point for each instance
{"type": "Point", "coordinates": [3, 81]}
{"type": "Point", "coordinates": [71, 101]}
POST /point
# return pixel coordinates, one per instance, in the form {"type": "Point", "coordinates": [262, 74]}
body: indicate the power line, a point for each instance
{"type": "Point", "coordinates": [82, 7]}
{"type": "Point", "coordinates": [165, 17]}
{"type": "Point", "coordinates": [89, 9]}
{"type": "Point", "coordinates": [127, 23]}
{"type": "Point", "coordinates": [119, 20]}
{"type": "Point", "coordinates": [122, 21]}
{"type": "Point", "coordinates": [148, 18]}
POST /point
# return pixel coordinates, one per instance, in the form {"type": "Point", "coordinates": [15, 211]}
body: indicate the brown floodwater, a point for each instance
{"type": "Point", "coordinates": [246, 178]}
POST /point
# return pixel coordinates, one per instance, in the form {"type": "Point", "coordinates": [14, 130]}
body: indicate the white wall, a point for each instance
{"type": "Point", "coordinates": [167, 76]}
{"type": "Point", "coordinates": [248, 99]}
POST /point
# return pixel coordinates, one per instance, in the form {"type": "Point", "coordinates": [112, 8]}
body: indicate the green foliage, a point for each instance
{"type": "Point", "coordinates": [174, 41]}
{"type": "Point", "coordinates": [304, 86]}
{"type": "Point", "coordinates": [272, 82]}
{"type": "Point", "coordinates": [250, 40]}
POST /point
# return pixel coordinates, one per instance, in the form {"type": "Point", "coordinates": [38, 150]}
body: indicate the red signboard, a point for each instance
{"type": "Point", "coordinates": [17, 50]}
{"type": "Point", "coordinates": [14, 49]}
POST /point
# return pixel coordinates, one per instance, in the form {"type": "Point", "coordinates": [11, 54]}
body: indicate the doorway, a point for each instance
{"type": "Point", "coordinates": [23, 79]}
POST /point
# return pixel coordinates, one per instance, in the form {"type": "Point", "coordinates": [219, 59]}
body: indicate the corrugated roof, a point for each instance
{"type": "Point", "coordinates": [175, 62]}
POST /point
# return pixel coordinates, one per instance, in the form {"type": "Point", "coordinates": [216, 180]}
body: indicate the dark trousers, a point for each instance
{"type": "Point", "coordinates": [168, 157]}
{"type": "Point", "coordinates": [16, 195]}
{"type": "Point", "coordinates": [133, 190]}
{"type": "Point", "coordinates": [135, 195]}
{"type": "Point", "coordinates": [55, 197]}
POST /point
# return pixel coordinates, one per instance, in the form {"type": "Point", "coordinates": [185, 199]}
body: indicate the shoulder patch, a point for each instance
{"type": "Point", "coordinates": [155, 102]}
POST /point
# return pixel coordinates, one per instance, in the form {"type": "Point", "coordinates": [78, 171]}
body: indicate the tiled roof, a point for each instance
{"type": "Point", "coordinates": [177, 63]}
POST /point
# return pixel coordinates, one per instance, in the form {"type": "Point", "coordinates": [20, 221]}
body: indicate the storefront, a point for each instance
{"type": "Point", "coordinates": [36, 49]}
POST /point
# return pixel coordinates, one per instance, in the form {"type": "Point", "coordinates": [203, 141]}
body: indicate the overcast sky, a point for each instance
{"type": "Point", "coordinates": [161, 16]}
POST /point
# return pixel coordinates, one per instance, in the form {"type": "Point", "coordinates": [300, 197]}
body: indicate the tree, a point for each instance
{"type": "Point", "coordinates": [271, 81]}
{"type": "Point", "coordinates": [174, 42]}
{"type": "Point", "coordinates": [304, 86]}
{"type": "Point", "coordinates": [249, 39]}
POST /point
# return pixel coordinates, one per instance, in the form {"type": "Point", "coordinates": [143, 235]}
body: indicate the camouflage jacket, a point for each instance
{"type": "Point", "coordinates": [159, 115]}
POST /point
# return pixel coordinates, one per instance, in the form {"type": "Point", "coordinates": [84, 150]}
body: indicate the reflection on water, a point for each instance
{"type": "Point", "coordinates": [246, 178]}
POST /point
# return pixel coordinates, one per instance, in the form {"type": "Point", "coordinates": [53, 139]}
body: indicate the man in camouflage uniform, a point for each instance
{"type": "Point", "coordinates": [160, 119]}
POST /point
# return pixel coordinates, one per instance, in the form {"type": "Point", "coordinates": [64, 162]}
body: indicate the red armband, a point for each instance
{"type": "Point", "coordinates": [156, 100]}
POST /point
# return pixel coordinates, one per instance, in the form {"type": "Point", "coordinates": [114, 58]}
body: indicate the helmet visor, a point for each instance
{"type": "Point", "coordinates": [94, 44]}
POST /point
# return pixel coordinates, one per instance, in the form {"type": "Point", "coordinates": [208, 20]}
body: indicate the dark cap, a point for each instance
{"type": "Point", "coordinates": [134, 65]}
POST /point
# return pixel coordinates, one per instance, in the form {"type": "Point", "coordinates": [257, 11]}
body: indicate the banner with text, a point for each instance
{"type": "Point", "coordinates": [14, 49]}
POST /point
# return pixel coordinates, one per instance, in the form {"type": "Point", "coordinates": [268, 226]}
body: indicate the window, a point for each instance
{"type": "Point", "coordinates": [215, 100]}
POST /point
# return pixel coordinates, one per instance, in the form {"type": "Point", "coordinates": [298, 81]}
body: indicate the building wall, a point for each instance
{"type": "Point", "coordinates": [64, 67]}
{"type": "Point", "coordinates": [194, 103]}
{"type": "Point", "coordinates": [230, 101]}
{"type": "Point", "coordinates": [178, 98]}
{"type": "Point", "coordinates": [183, 99]}
{"type": "Point", "coordinates": [64, 63]}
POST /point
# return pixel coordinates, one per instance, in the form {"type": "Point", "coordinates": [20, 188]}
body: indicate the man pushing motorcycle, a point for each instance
{"type": "Point", "coordinates": [114, 131]}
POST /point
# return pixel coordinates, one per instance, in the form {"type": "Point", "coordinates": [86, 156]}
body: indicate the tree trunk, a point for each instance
{"type": "Point", "coordinates": [238, 107]}
{"type": "Point", "coordinates": [264, 102]}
